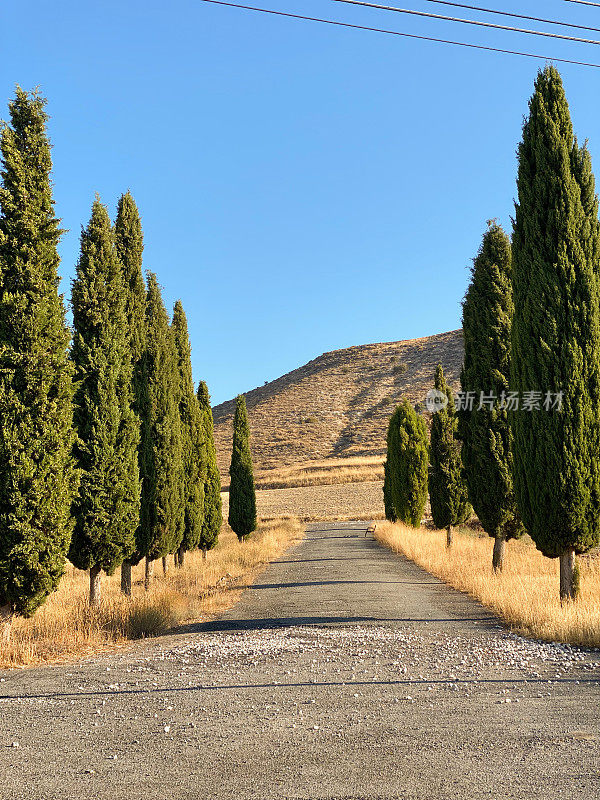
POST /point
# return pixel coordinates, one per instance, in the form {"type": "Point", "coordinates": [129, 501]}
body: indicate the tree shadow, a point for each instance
{"type": "Point", "coordinates": [265, 623]}
{"type": "Point", "coordinates": [299, 584]}
{"type": "Point", "coordinates": [508, 681]}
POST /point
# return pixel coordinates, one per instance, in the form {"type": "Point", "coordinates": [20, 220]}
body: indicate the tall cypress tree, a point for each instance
{"type": "Point", "coordinates": [179, 474]}
{"type": "Point", "coordinates": [447, 489]}
{"type": "Point", "coordinates": [161, 458]}
{"type": "Point", "coordinates": [129, 242]}
{"type": "Point", "coordinates": [556, 334]}
{"type": "Point", "coordinates": [407, 462]}
{"type": "Point", "coordinates": [107, 506]}
{"type": "Point", "coordinates": [37, 474]}
{"type": "Point", "coordinates": [242, 496]}
{"type": "Point", "coordinates": [193, 438]}
{"type": "Point", "coordinates": [213, 514]}
{"type": "Point", "coordinates": [486, 438]}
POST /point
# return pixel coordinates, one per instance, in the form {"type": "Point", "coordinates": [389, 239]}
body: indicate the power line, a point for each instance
{"type": "Point", "coordinates": [584, 3]}
{"type": "Point", "coordinates": [514, 15]}
{"type": "Point", "coordinates": [478, 23]}
{"type": "Point", "coordinates": [400, 33]}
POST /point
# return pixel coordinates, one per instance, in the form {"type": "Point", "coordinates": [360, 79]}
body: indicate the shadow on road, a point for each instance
{"type": "Point", "coordinates": [303, 684]}
{"type": "Point", "coordinates": [232, 625]}
{"type": "Point", "coordinates": [340, 583]}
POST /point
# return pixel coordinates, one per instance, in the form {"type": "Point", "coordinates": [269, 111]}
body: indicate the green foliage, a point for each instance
{"type": "Point", "coordinates": [37, 474]}
{"type": "Point", "coordinates": [447, 489]}
{"type": "Point", "coordinates": [213, 514]}
{"type": "Point", "coordinates": [192, 434]}
{"type": "Point", "coordinates": [486, 450]}
{"type": "Point", "coordinates": [129, 243]}
{"type": "Point", "coordinates": [242, 497]}
{"type": "Point", "coordinates": [107, 506]}
{"type": "Point", "coordinates": [390, 513]}
{"type": "Point", "coordinates": [555, 331]}
{"type": "Point", "coordinates": [407, 462]}
{"type": "Point", "coordinates": [161, 456]}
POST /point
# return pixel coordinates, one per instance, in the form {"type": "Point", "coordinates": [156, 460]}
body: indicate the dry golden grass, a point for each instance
{"type": "Point", "coordinates": [525, 595]}
{"type": "Point", "coordinates": [321, 473]}
{"type": "Point", "coordinates": [65, 627]}
{"type": "Point", "coordinates": [347, 501]}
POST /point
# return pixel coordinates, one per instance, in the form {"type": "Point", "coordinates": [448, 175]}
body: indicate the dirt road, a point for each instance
{"type": "Point", "coordinates": [345, 672]}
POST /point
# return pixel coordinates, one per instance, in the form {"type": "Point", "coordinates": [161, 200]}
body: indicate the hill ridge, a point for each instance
{"type": "Point", "coordinates": [337, 405]}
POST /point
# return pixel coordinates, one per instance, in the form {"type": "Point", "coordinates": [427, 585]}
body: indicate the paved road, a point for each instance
{"type": "Point", "coordinates": [345, 672]}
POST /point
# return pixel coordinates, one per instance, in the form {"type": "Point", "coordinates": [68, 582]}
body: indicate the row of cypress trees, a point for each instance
{"type": "Point", "coordinates": [531, 323]}
{"type": "Point", "coordinates": [106, 451]}
{"type": "Point", "coordinates": [143, 436]}
{"type": "Point", "coordinates": [416, 466]}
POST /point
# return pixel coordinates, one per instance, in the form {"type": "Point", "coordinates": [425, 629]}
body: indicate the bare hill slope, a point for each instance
{"type": "Point", "coordinates": [338, 405]}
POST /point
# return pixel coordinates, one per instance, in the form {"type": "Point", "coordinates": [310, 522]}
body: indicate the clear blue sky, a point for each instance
{"type": "Point", "coordinates": [302, 187]}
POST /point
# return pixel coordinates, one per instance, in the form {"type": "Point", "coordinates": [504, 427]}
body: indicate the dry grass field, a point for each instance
{"type": "Point", "coordinates": [338, 405]}
{"type": "Point", "coordinates": [525, 595]}
{"type": "Point", "coordinates": [66, 628]}
{"type": "Point", "coordinates": [346, 501]}
{"type": "Point", "coordinates": [321, 473]}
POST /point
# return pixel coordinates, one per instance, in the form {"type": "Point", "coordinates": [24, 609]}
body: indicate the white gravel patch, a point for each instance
{"type": "Point", "coordinates": [452, 657]}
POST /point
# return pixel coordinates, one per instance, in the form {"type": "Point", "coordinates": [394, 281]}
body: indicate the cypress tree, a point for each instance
{"type": "Point", "coordinates": [447, 489]}
{"type": "Point", "coordinates": [213, 514]}
{"type": "Point", "coordinates": [388, 505]}
{"type": "Point", "coordinates": [556, 334]}
{"type": "Point", "coordinates": [242, 496]}
{"type": "Point", "coordinates": [192, 436]}
{"type": "Point", "coordinates": [484, 429]}
{"type": "Point", "coordinates": [129, 242]}
{"type": "Point", "coordinates": [37, 474]}
{"type": "Point", "coordinates": [179, 474]}
{"type": "Point", "coordinates": [107, 506]}
{"type": "Point", "coordinates": [407, 462]}
{"type": "Point", "coordinates": [161, 458]}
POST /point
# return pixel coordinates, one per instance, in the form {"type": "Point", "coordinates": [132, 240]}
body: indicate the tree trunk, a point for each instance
{"type": "Point", "coordinates": [95, 573]}
{"type": "Point", "coordinates": [126, 578]}
{"type": "Point", "coordinates": [449, 534]}
{"type": "Point", "coordinates": [165, 564]}
{"type": "Point", "coordinates": [204, 552]}
{"type": "Point", "coordinates": [180, 556]}
{"type": "Point", "coordinates": [149, 573]}
{"type": "Point", "coordinates": [567, 575]}
{"type": "Point", "coordinates": [499, 553]}
{"type": "Point", "coordinates": [6, 618]}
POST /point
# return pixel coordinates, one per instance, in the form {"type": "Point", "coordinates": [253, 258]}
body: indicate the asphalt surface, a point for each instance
{"type": "Point", "coordinates": [344, 672]}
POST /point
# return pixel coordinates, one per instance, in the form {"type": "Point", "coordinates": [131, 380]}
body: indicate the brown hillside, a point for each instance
{"type": "Point", "coordinates": [337, 406]}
